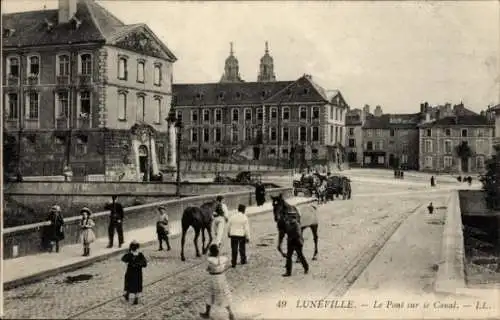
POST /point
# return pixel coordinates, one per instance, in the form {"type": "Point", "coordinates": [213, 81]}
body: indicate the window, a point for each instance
{"type": "Point", "coordinates": [12, 106]}
{"type": "Point", "coordinates": [62, 104]}
{"type": "Point", "coordinates": [336, 114]}
{"type": "Point", "coordinates": [141, 108]}
{"type": "Point", "coordinates": [428, 132]}
{"type": "Point", "coordinates": [234, 135]}
{"type": "Point", "coordinates": [218, 115]}
{"type": "Point", "coordinates": [81, 146]}
{"type": "Point", "coordinates": [248, 114]}
{"type": "Point", "coordinates": [63, 65]}
{"type": "Point", "coordinates": [85, 104]}
{"type": "Point", "coordinates": [302, 133]}
{"type": "Point", "coordinates": [206, 115]}
{"type": "Point", "coordinates": [178, 115]}
{"type": "Point", "coordinates": [248, 134]}
{"type": "Point", "coordinates": [86, 64]}
{"type": "Point", "coordinates": [194, 116]}
{"type": "Point", "coordinates": [428, 162]}
{"type": "Point", "coordinates": [380, 145]}
{"type": "Point", "coordinates": [404, 158]}
{"type": "Point", "coordinates": [428, 146]}
{"type": "Point", "coordinates": [315, 113]}
{"type": "Point", "coordinates": [447, 146]}
{"type": "Point", "coordinates": [140, 71]}
{"type": "Point", "coordinates": [158, 110]}
{"type": "Point", "coordinates": [315, 134]}
{"type": "Point", "coordinates": [286, 134]}
{"type": "Point", "coordinates": [480, 146]}
{"type": "Point", "coordinates": [369, 146]}
{"type": "Point", "coordinates": [194, 135]}
{"type": "Point", "coordinates": [480, 162]}
{"type": "Point", "coordinates": [272, 134]}
{"type": "Point", "coordinates": [369, 132]}
{"type": "Point", "coordinates": [392, 133]}
{"type": "Point", "coordinates": [206, 135]}
{"type": "Point", "coordinates": [161, 153]}
{"type": "Point", "coordinates": [303, 113]}
{"type": "Point", "coordinates": [122, 68]}
{"type": "Point", "coordinates": [274, 113]}
{"type": "Point", "coordinates": [286, 114]}
{"type": "Point", "coordinates": [340, 114]}
{"type": "Point", "coordinates": [284, 152]}
{"type": "Point", "coordinates": [33, 66]}
{"type": "Point", "coordinates": [331, 133]}
{"type": "Point", "coordinates": [381, 159]}
{"type": "Point", "coordinates": [378, 132]}
{"type": "Point", "coordinates": [336, 134]}
{"type": "Point", "coordinates": [448, 161]}
{"type": "Point", "coordinates": [351, 131]}
{"type": "Point", "coordinates": [157, 75]}
{"type": "Point", "coordinates": [341, 134]}
{"type": "Point", "coordinates": [464, 132]}
{"type": "Point", "coordinates": [13, 67]}
{"type": "Point", "coordinates": [447, 132]}
{"type": "Point", "coordinates": [205, 152]}
{"type": "Point", "coordinates": [236, 115]}
{"type": "Point", "coordinates": [352, 143]}
{"type": "Point", "coordinates": [260, 113]}
{"type": "Point", "coordinates": [480, 133]}
{"type": "Point", "coordinates": [218, 134]}
{"type": "Point", "coordinates": [122, 106]}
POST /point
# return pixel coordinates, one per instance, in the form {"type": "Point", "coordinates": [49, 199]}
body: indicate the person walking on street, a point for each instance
{"type": "Point", "coordinates": [135, 261]}
{"type": "Point", "coordinates": [55, 231]}
{"type": "Point", "coordinates": [238, 229]}
{"type": "Point", "coordinates": [162, 228]}
{"type": "Point", "coordinates": [220, 219]}
{"type": "Point", "coordinates": [295, 243]}
{"type": "Point", "coordinates": [87, 236]}
{"type": "Point", "coordinates": [220, 294]}
{"type": "Point", "coordinates": [433, 182]}
{"type": "Point", "coordinates": [260, 193]}
{"type": "Point", "coordinates": [115, 222]}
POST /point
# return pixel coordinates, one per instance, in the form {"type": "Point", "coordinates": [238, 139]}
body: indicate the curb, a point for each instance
{"type": "Point", "coordinates": [85, 263]}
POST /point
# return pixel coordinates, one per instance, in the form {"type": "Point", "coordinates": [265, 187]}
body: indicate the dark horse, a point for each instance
{"type": "Point", "coordinates": [200, 218]}
{"type": "Point", "coordinates": [282, 210]}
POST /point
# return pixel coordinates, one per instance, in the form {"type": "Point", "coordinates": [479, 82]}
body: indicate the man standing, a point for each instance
{"type": "Point", "coordinates": [260, 193]}
{"type": "Point", "coordinates": [295, 242]}
{"type": "Point", "coordinates": [115, 221]}
{"type": "Point", "coordinates": [238, 230]}
{"type": "Point", "coordinates": [220, 219]}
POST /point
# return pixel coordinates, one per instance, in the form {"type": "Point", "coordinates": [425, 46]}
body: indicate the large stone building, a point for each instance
{"type": "Point", "coordinates": [455, 140]}
{"type": "Point", "coordinates": [83, 89]}
{"type": "Point", "coordinates": [267, 120]}
{"type": "Point", "coordinates": [355, 118]}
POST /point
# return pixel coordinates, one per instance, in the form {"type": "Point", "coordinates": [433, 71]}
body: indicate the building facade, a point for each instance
{"type": "Point", "coordinates": [355, 119]}
{"type": "Point", "coordinates": [460, 142]}
{"type": "Point", "coordinates": [84, 90]}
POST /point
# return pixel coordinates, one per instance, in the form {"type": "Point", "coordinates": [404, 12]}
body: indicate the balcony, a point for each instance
{"type": "Point", "coordinates": [12, 80]}
{"type": "Point", "coordinates": [32, 80]}
{"type": "Point", "coordinates": [62, 81]}
{"type": "Point", "coordinates": [84, 79]}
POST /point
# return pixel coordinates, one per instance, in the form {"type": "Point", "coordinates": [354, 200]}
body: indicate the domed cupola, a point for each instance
{"type": "Point", "coordinates": [266, 70]}
{"type": "Point", "coordinates": [231, 68]}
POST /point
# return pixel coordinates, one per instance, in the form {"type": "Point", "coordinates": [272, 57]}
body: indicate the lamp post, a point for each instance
{"type": "Point", "coordinates": [178, 127]}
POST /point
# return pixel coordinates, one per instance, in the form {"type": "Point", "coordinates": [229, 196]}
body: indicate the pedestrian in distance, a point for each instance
{"type": "Point", "coordinates": [115, 221]}
{"type": "Point", "coordinates": [238, 229]}
{"type": "Point", "coordinates": [295, 243]}
{"type": "Point", "coordinates": [220, 219]}
{"type": "Point", "coordinates": [430, 207]}
{"type": "Point", "coordinates": [220, 293]}
{"type": "Point", "coordinates": [162, 230]}
{"type": "Point", "coordinates": [260, 193]}
{"type": "Point", "coordinates": [87, 235]}
{"type": "Point", "coordinates": [433, 182]}
{"type": "Point", "coordinates": [135, 261]}
{"type": "Point", "coordinates": [55, 230]}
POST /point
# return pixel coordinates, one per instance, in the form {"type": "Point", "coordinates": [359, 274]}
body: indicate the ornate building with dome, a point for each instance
{"type": "Point", "coordinates": [231, 69]}
{"type": "Point", "coordinates": [266, 70]}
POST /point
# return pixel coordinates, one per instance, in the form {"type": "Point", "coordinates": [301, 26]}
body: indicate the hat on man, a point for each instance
{"type": "Point", "coordinates": [242, 208]}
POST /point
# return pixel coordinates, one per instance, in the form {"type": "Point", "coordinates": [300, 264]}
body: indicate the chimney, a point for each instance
{"type": "Point", "coordinates": [426, 106]}
{"type": "Point", "coordinates": [422, 108]}
{"type": "Point", "coordinates": [67, 9]}
{"type": "Point", "coordinates": [378, 111]}
{"type": "Point", "coordinates": [427, 117]}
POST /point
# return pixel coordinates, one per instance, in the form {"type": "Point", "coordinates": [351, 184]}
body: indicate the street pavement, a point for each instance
{"type": "Point", "coordinates": [176, 290]}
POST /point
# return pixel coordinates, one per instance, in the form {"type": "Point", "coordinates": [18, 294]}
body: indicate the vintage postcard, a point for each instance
{"type": "Point", "coordinates": [250, 159]}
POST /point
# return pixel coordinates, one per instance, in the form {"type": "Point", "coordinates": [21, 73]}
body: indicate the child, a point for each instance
{"type": "Point", "coordinates": [87, 236]}
{"type": "Point", "coordinates": [162, 228]}
{"type": "Point", "coordinates": [220, 294]}
{"type": "Point", "coordinates": [135, 261]}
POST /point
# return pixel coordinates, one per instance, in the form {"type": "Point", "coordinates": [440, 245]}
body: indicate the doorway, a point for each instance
{"type": "Point", "coordinates": [143, 160]}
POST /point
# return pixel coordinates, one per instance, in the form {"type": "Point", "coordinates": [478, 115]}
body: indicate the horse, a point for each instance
{"type": "Point", "coordinates": [200, 218]}
{"type": "Point", "coordinates": [282, 211]}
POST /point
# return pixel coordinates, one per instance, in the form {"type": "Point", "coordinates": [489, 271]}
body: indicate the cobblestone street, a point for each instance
{"type": "Point", "coordinates": [176, 290]}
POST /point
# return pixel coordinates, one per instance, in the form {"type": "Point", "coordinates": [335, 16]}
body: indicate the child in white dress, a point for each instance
{"type": "Point", "coordinates": [87, 236]}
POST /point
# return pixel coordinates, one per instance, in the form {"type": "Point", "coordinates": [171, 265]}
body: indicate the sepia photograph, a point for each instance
{"type": "Point", "coordinates": [250, 160]}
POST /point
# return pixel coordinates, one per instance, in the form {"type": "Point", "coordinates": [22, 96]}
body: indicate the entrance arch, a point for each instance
{"type": "Point", "coordinates": [143, 159]}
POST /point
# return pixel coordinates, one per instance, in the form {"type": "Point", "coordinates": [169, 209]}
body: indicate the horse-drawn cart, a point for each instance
{"type": "Point", "coordinates": [338, 185]}
{"type": "Point", "coordinates": [306, 185]}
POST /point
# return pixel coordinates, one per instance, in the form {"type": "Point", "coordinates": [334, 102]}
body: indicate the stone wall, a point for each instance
{"type": "Point", "coordinates": [27, 238]}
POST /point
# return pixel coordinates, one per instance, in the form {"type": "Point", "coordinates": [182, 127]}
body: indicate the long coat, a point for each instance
{"type": "Point", "coordinates": [260, 194]}
{"type": "Point", "coordinates": [133, 275]}
{"type": "Point", "coordinates": [55, 231]}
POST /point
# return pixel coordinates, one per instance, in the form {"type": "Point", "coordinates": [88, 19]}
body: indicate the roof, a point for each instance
{"type": "Point", "coordinates": [392, 121]}
{"type": "Point", "coordinates": [470, 120]}
{"type": "Point", "coordinates": [496, 108]}
{"type": "Point", "coordinates": [98, 25]}
{"type": "Point", "coordinates": [301, 90]}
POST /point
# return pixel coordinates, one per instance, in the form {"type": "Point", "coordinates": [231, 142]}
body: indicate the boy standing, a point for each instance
{"type": "Point", "coordinates": [239, 233]}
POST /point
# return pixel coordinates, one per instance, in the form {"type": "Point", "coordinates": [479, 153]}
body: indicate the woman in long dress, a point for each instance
{"type": "Point", "coordinates": [55, 231]}
{"type": "Point", "coordinates": [135, 261]}
{"type": "Point", "coordinates": [220, 294]}
{"type": "Point", "coordinates": [87, 236]}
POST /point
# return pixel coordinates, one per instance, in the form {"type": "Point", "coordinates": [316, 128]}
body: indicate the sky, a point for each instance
{"type": "Point", "coordinates": [392, 54]}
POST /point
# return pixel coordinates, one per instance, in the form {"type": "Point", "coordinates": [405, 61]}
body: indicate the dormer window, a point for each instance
{"type": "Point", "coordinates": [8, 32]}
{"type": "Point", "coordinates": [238, 95]}
{"type": "Point", "coordinates": [306, 91]}
{"type": "Point", "coordinates": [49, 25]}
{"type": "Point", "coordinates": [76, 22]}
{"type": "Point", "coordinates": [199, 96]}
{"type": "Point", "coordinates": [221, 95]}
{"type": "Point", "coordinates": [263, 94]}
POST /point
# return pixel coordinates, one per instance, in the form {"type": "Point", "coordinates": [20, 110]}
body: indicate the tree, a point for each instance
{"type": "Point", "coordinates": [491, 181]}
{"type": "Point", "coordinates": [10, 156]}
{"type": "Point", "coordinates": [464, 152]}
